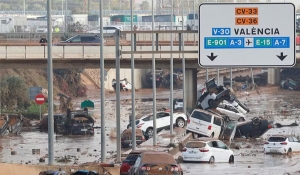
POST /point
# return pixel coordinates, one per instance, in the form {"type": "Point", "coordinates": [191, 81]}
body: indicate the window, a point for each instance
{"type": "Point", "coordinates": [76, 39]}
{"type": "Point", "coordinates": [109, 28]}
{"type": "Point", "coordinates": [230, 108]}
{"type": "Point", "coordinates": [291, 139]}
{"type": "Point", "coordinates": [276, 139]}
{"type": "Point", "coordinates": [201, 116]}
{"type": "Point", "coordinates": [131, 158]}
{"type": "Point", "coordinates": [87, 39]}
{"type": "Point", "coordinates": [195, 145]}
{"type": "Point", "coordinates": [221, 145]}
{"type": "Point", "coordinates": [3, 21]}
{"type": "Point", "coordinates": [180, 100]}
{"type": "Point", "coordinates": [217, 121]}
{"type": "Point", "coordinates": [295, 139]}
{"type": "Point", "coordinates": [149, 118]}
{"type": "Point", "coordinates": [137, 162]}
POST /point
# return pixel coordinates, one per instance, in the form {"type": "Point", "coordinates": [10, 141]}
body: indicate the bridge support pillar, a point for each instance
{"type": "Point", "coordinates": [191, 88]}
{"type": "Point", "coordinates": [273, 75]}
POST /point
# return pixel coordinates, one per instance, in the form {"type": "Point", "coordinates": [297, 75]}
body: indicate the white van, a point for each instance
{"type": "Point", "coordinates": [204, 123]}
{"type": "Point", "coordinates": [211, 123]}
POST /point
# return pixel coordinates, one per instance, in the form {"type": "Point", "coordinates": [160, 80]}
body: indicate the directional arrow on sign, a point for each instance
{"type": "Point", "coordinates": [281, 56]}
{"type": "Point", "coordinates": [212, 56]}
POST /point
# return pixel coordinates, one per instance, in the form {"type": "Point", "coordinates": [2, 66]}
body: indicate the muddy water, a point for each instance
{"type": "Point", "coordinates": [90, 147]}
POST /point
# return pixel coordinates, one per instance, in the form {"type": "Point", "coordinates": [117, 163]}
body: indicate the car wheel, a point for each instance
{"type": "Point", "coordinates": [211, 160]}
{"type": "Point", "coordinates": [241, 119]}
{"type": "Point", "coordinates": [180, 122]}
{"type": "Point", "coordinates": [231, 159]}
{"type": "Point", "coordinates": [255, 121]}
{"type": "Point", "coordinates": [195, 135]}
{"type": "Point", "coordinates": [149, 132]}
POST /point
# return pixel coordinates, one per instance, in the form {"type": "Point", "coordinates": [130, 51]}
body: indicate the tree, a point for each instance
{"type": "Point", "coordinates": [14, 93]}
{"type": "Point", "coordinates": [145, 5]}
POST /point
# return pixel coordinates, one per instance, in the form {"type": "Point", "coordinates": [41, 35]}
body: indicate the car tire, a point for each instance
{"type": "Point", "coordinates": [231, 159]}
{"type": "Point", "coordinates": [149, 131]}
{"type": "Point", "coordinates": [211, 160]}
{"type": "Point", "coordinates": [180, 122]}
{"type": "Point", "coordinates": [195, 135]}
{"type": "Point", "coordinates": [256, 121]}
{"type": "Point", "coordinates": [241, 119]}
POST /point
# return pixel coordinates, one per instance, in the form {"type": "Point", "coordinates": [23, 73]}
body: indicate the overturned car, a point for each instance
{"type": "Point", "coordinates": [11, 124]}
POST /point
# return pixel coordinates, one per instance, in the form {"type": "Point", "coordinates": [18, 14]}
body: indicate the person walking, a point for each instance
{"type": "Point", "coordinates": [43, 40]}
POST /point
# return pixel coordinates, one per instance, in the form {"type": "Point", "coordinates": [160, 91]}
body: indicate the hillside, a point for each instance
{"type": "Point", "coordinates": [38, 77]}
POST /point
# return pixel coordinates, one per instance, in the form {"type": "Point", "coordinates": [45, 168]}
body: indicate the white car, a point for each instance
{"type": "Point", "coordinates": [207, 150]}
{"type": "Point", "coordinates": [178, 103]}
{"type": "Point", "coordinates": [42, 29]}
{"type": "Point", "coordinates": [282, 144]}
{"type": "Point", "coordinates": [145, 123]}
{"type": "Point", "coordinates": [232, 112]}
{"type": "Point", "coordinates": [124, 84]}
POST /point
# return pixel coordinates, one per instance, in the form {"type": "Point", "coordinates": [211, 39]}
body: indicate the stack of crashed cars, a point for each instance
{"type": "Point", "coordinates": [77, 122]}
{"type": "Point", "coordinates": [218, 114]}
{"type": "Point", "coordinates": [10, 124]}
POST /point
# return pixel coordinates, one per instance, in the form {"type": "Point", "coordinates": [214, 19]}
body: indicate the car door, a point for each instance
{"type": "Point", "coordinates": [216, 151]}
{"type": "Point", "coordinates": [164, 119]}
{"type": "Point", "coordinates": [224, 151]}
{"type": "Point", "coordinates": [87, 40]}
{"type": "Point", "coordinates": [228, 130]}
{"type": "Point", "coordinates": [75, 41]}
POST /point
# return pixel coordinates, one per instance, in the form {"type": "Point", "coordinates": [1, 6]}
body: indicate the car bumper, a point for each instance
{"type": "Point", "coordinates": [271, 150]}
{"type": "Point", "coordinates": [188, 157]}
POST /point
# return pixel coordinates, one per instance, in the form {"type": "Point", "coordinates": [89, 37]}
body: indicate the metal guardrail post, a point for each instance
{"type": "Point", "coordinates": [156, 40]}
{"type": "Point", "coordinates": [118, 105]}
{"type": "Point", "coordinates": [134, 38]}
{"type": "Point", "coordinates": [180, 42]}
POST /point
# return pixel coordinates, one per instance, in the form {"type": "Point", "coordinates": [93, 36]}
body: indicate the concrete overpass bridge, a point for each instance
{"type": "Point", "coordinates": [28, 56]}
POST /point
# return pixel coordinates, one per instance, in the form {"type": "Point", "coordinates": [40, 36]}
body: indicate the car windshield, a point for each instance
{"type": "Point", "coordinates": [180, 100]}
{"type": "Point", "coordinates": [131, 158]}
{"type": "Point", "coordinates": [195, 145]}
{"type": "Point", "coordinates": [276, 139]}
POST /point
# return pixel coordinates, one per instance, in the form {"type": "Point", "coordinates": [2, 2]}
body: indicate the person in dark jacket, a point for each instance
{"type": "Point", "coordinates": [43, 40]}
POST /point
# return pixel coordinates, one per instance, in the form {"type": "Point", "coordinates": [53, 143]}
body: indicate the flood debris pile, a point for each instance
{"type": "Point", "coordinates": [245, 82]}
{"type": "Point", "coordinates": [223, 125]}
{"type": "Point", "coordinates": [10, 124]}
{"type": "Point", "coordinates": [163, 77]}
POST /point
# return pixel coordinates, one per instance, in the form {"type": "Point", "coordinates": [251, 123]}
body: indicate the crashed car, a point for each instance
{"type": "Point", "coordinates": [155, 163]}
{"type": "Point", "coordinates": [210, 123]}
{"type": "Point", "coordinates": [15, 123]}
{"type": "Point", "coordinates": [59, 123]}
{"type": "Point", "coordinates": [232, 112]}
{"type": "Point", "coordinates": [124, 84]}
{"type": "Point", "coordinates": [290, 84]}
{"type": "Point", "coordinates": [253, 129]}
{"type": "Point", "coordinates": [3, 125]}
{"type": "Point", "coordinates": [126, 137]}
{"type": "Point", "coordinates": [80, 123]}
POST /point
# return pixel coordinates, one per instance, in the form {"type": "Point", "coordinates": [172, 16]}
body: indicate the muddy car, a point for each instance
{"type": "Point", "coordinates": [129, 161]}
{"type": "Point", "coordinates": [3, 125]}
{"type": "Point", "coordinates": [59, 123]}
{"type": "Point", "coordinates": [126, 137]}
{"type": "Point", "coordinates": [253, 129]}
{"type": "Point", "coordinates": [155, 163]}
{"type": "Point", "coordinates": [80, 123]}
{"type": "Point", "coordinates": [15, 124]}
{"type": "Point", "coordinates": [290, 85]}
